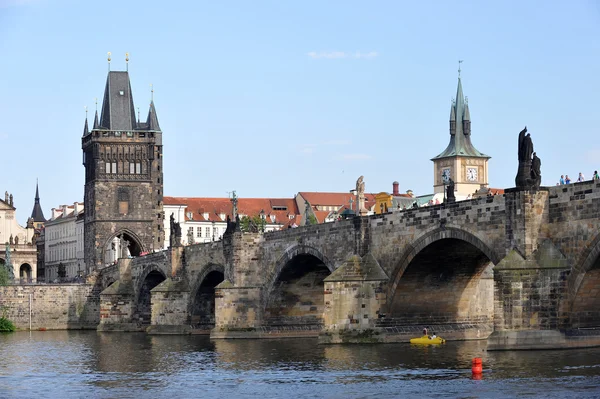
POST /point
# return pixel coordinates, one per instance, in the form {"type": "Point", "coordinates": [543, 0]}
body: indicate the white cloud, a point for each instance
{"type": "Point", "coordinates": [354, 157]}
{"type": "Point", "coordinates": [337, 142]}
{"type": "Point", "coordinates": [307, 150]}
{"type": "Point", "coordinates": [331, 55]}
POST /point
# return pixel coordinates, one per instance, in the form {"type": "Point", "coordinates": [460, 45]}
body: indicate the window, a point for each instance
{"type": "Point", "coordinates": [114, 167]}
{"type": "Point", "coordinates": [131, 168]}
{"type": "Point", "coordinates": [138, 168]}
{"type": "Point", "coordinates": [199, 232]}
{"type": "Point", "coordinates": [215, 231]}
{"type": "Point", "coordinates": [123, 198]}
{"type": "Point", "coordinates": [207, 231]}
{"type": "Point", "coordinates": [108, 167]}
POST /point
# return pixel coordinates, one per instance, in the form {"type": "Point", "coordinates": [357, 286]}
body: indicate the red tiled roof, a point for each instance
{"type": "Point", "coordinates": [335, 199]}
{"type": "Point", "coordinates": [214, 207]}
{"type": "Point", "coordinates": [321, 215]}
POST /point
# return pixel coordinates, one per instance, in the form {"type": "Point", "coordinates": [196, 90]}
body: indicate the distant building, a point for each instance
{"type": "Point", "coordinates": [327, 207]}
{"type": "Point", "coordinates": [19, 240]}
{"type": "Point", "coordinates": [63, 238]}
{"type": "Point", "coordinates": [205, 219]}
{"type": "Point", "coordinates": [460, 161]}
{"type": "Point", "coordinates": [385, 202]}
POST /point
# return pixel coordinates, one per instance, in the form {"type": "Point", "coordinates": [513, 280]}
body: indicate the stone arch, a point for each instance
{"type": "Point", "coordinates": [429, 238]}
{"type": "Point", "coordinates": [203, 318]}
{"type": "Point", "coordinates": [25, 273]}
{"type": "Point", "coordinates": [155, 275]}
{"type": "Point", "coordinates": [587, 262]}
{"type": "Point", "coordinates": [289, 254]}
{"type": "Point", "coordinates": [294, 295]}
{"type": "Point", "coordinates": [111, 254]}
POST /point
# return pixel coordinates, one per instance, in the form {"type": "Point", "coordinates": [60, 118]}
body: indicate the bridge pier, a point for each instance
{"type": "Point", "coordinates": [238, 311]}
{"type": "Point", "coordinates": [355, 295]}
{"type": "Point", "coordinates": [117, 302]}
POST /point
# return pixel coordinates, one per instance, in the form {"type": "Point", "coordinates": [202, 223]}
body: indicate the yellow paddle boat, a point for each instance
{"type": "Point", "coordinates": [427, 340]}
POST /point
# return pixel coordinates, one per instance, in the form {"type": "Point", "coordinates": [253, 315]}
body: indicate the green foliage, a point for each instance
{"type": "Point", "coordinates": [4, 277]}
{"type": "Point", "coordinates": [6, 325]}
{"type": "Point", "coordinates": [254, 224]}
{"type": "Point", "coordinates": [312, 219]}
{"type": "Point", "coordinates": [62, 270]}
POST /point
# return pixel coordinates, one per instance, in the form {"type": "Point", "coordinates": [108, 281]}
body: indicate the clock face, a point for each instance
{"type": "Point", "coordinates": [472, 174]}
{"type": "Point", "coordinates": [446, 174]}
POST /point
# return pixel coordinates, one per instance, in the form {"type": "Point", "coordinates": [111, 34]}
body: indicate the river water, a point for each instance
{"type": "Point", "coordinates": [77, 364]}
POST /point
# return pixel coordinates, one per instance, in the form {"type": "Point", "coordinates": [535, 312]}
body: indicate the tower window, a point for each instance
{"type": "Point", "coordinates": [123, 199]}
{"type": "Point", "coordinates": [108, 167]}
{"type": "Point", "coordinates": [138, 168]}
{"type": "Point", "coordinates": [114, 167]}
{"type": "Point", "coordinates": [131, 168]}
{"type": "Point", "coordinates": [121, 93]}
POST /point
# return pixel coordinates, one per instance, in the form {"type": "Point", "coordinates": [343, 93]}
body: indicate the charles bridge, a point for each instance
{"type": "Point", "coordinates": [520, 269]}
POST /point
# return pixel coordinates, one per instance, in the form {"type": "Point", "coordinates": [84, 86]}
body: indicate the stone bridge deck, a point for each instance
{"type": "Point", "coordinates": [522, 261]}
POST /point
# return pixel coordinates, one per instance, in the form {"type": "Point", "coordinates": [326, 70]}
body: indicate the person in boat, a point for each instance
{"type": "Point", "coordinates": [425, 331]}
{"type": "Point", "coordinates": [433, 335]}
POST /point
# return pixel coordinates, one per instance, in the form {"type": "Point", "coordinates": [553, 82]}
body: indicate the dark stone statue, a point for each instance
{"type": "Point", "coordinates": [536, 173]}
{"type": "Point", "coordinates": [529, 175]}
{"type": "Point", "coordinates": [175, 237]}
{"type": "Point", "coordinates": [450, 197]}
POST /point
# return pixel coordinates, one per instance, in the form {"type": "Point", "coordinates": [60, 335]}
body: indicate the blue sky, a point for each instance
{"type": "Point", "coordinates": [272, 98]}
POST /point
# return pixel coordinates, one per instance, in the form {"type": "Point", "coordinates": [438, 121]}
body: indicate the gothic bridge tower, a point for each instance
{"type": "Point", "coordinates": [460, 161]}
{"type": "Point", "coordinates": [123, 179]}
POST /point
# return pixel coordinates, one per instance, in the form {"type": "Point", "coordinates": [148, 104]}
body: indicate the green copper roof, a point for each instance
{"type": "Point", "coordinates": [460, 140]}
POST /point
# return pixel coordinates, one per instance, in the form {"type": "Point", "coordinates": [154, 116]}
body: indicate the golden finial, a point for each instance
{"type": "Point", "coordinates": [109, 60]}
{"type": "Point", "coordinates": [459, 62]}
{"type": "Point", "coordinates": [127, 61]}
{"type": "Point", "coordinates": [85, 111]}
{"type": "Point", "coordinates": [96, 101]}
{"type": "Point", "coordinates": [151, 92]}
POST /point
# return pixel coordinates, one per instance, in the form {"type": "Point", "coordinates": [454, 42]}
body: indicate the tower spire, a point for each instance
{"type": "Point", "coordinates": [96, 125]}
{"type": "Point", "coordinates": [37, 214]}
{"type": "Point", "coordinates": [85, 127]}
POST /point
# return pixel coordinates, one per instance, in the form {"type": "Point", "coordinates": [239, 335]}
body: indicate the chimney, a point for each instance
{"type": "Point", "coordinates": [396, 189]}
{"type": "Point", "coordinates": [65, 210]}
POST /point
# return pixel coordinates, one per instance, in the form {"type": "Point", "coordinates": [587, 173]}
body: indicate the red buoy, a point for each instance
{"type": "Point", "coordinates": [476, 366]}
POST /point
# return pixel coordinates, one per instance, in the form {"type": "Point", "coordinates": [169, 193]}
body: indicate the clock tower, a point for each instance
{"type": "Point", "coordinates": [460, 161]}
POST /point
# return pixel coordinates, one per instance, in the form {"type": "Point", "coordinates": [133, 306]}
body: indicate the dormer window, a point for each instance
{"type": "Point", "coordinates": [205, 215]}
{"type": "Point", "coordinates": [291, 216]}
{"type": "Point", "coordinates": [272, 218]}
{"type": "Point", "coordinates": [190, 215]}
{"type": "Point", "coordinates": [222, 216]}
{"type": "Point", "coordinates": [121, 93]}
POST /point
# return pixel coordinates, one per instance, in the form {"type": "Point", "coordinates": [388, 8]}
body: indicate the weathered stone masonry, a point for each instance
{"type": "Point", "coordinates": [508, 265]}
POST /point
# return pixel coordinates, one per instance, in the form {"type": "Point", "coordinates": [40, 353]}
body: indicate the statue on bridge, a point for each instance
{"type": "Point", "coordinates": [529, 175]}
{"type": "Point", "coordinates": [360, 197]}
{"type": "Point", "coordinates": [175, 237]}
{"type": "Point", "coordinates": [450, 197]}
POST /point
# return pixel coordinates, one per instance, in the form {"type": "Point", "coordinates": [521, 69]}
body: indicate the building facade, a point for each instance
{"type": "Point", "coordinates": [18, 241]}
{"type": "Point", "coordinates": [205, 219]}
{"type": "Point", "coordinates": [62, 239]}
{"type": "Point", "coordinates": [460, 161]}
{"type": "Point", "coordinates": [123, 178]}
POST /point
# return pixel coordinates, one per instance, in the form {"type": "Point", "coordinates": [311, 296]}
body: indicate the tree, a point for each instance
{"type": "Point", "coordinates": [254, 224]}
{"type": "Point", "coordinates": [4, 277]}
{"type": "Point", "coordinates": [62, 270]}
{"type": "Point", "coordinates": [312, 219]}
